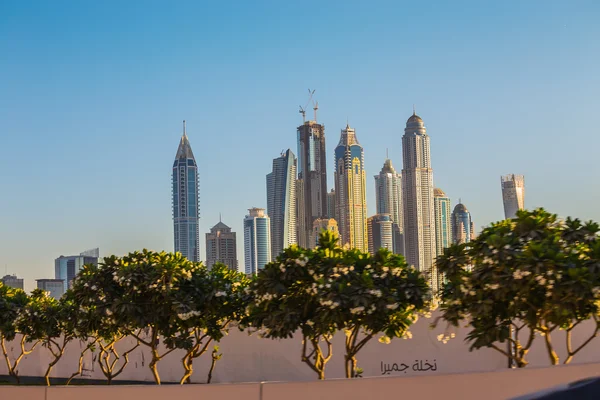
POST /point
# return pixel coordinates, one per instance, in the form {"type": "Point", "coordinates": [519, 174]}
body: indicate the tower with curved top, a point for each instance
{"type": "Point", "coordinates": [463, 229]}
{"type": "Point", "coordinates": [185, 201]}
{"type": "Point", "coordinates": [351, 191]}
{"type": "Point", "coordinates": [417, 182]}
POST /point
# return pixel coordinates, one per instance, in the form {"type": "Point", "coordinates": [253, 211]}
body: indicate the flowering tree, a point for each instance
{"type": "Point", "coordinates": [49, 321]}
{"type": "Point", "coordinates": [12, 309]}
{"type": "Point", "coordinates": [329, 288]}
{"type": "Point", "coordinates": [95, 325]}
{"type": "Point", "coordinates": [285, 299]}
{"type": "Point", "coordinates": [533, 274]}
{"type": "Point", "coordinates": [368, 295]}
{"type": "Point", "coordinates": [145, 300]}
{"type": "Point", "coordinates": [208, 303]}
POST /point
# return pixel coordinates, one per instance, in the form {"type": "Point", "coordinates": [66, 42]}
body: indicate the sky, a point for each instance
{"type": "Point", "coordinates": [93, 94]}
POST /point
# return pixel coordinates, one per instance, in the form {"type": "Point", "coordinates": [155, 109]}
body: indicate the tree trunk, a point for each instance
{"type": "Point", "coordinates": [155, 359]}
{"type": "Point", "coordinates": [551, 353]}
{"type": "Point", "coordinates": [188, 368]}
{"type": "Point", "coordinates": [212, 368]}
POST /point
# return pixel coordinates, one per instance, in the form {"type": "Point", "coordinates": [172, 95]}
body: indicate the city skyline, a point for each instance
{"type": "Point", "coordinates": [92, 89]}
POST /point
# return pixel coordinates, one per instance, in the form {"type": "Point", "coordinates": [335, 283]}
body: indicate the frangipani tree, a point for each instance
{"type": "Point", "coordinates": [208, 303]}
{"type": "Point", "coordinates": [96, 326]}
{"type": "Point", "coordinates": [328, 289]}
{"type": "Point", "coordinates": [51, 322]}
{"type": "Point", "coordinates": [531, 275]}
{"type": "Point", "coordinates": [366, 296]}
{"type": "Point", "coordinates": [12, 311]}
{"type": "Point", "coordinates": [285, 299]}
{"type": "Point", "coordinates": [145, 300]}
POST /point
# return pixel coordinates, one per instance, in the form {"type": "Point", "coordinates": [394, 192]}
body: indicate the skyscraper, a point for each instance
{"type": "Point", "coordinates": [56, 287]}
{"type": "Point", "coordinates": [388, 195]}
{"type": "Point", "coordinates": [443, 225]}
{"type": "Point", "coordinates": [186, 210]}
{"type": "Point", "coordinates": [463, 229]}
{"type": "Point", "coordinates": [281, 202]}
{"type": "Point", "coordinates": [350, 191]}
{"type": "Point", "coordinates": [380, 233]}
{"type": "Point", "coordinates": [312, 178]}
{"type": "Point", "coordinates": [12, 281]}
{"type": "Point", "coordinates": [320, 224]}
{"type": "Point", "coordinates": [221, 246]}
{"type": "Point", "coordinates": [67, 267]}
{"type": "Point", "coordinates": [257, 240]}
{"type": "Point", "coordinates": [513, 194]}
{"type": "Point", "coordinates": [417, 190]}
{"type": "Point", "coordinates": [331, 204]}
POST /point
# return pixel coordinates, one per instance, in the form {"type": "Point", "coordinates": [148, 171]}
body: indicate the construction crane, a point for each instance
{"type": "Point", "coordinates": [303, 109]}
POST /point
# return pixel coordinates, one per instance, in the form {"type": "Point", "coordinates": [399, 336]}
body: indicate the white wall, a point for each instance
{"type": "Point", "coordinates": [251, 359]}
{"type": "Point", "coordinates": [503, 385]}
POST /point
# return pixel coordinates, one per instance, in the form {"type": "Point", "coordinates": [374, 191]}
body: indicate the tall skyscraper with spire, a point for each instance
{"type": "Point", "coordinates": [417, 180]}
{"type": "Point", "coordinates": [281, 202]}
{"type": "Point", "coordinates": [513, 194]}
{"type": "Point", "coordinates": [351, 191]}
{"type": "Point", "coordinates": [388, 196]}
{"type": "Point", "coordinates": [312, 179]}
{"type": "Point", "coordinates": [186, 210]}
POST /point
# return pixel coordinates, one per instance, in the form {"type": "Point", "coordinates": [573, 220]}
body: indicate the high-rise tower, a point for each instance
{"type": "Point", "coordinates": [281, 202]}
{"type": "Point", "coordinates": [380, 233]}
{"type": "Point", "coordinates": [312, 179]}
{"type": "Point", "coordinates": [221, 246]}
{"type": "Point", "coordinates": [350, 191]}
{"type": "Point", "coordinates": [513, 194]}
{"type": "Point", "coordinates": [388, 195]}
{"type": "Point", "coordinates": [257, 240]}
{"type": "Point", "coordinates": [185, 201]}
{"type": "Point", "coordinates": [443, 225]}
{"type": "Point", "coordinates": [417, 184]}
{"type": "Point", "coordinates": [463, 229]}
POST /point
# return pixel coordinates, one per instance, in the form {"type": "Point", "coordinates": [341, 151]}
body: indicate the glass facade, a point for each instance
{"type": "Point", "coordinates": [54, 286]}
{"type": "Point", "coordinates": [186, 212]}
{"type": "Point", "coordinates": [67, 267]}
{"type": "Point", "coordinates": [281, 202]}
{"type": "Point", "coordinates": [463, 230]}
{"type": "Point", "coordinates": [257, 240]}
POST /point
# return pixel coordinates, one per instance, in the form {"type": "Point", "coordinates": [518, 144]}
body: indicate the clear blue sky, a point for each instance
{"type": "Point", "coordinates": [92, 95]}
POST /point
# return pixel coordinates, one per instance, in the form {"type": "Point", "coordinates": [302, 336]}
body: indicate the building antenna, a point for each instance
{"type": "Point", "coordinates": [459, 200]}
{"type": "Point", "coordinates": [184, 127]}
{"type": "Point", "coordinates": [414, 110]}
{"type": "Point", "coordinates": [387, 156]}
{"type": "Point", "coordinates": [220, 217]}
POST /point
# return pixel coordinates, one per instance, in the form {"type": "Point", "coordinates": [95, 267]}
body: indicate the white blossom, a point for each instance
{"type": "Point", "coordinates": [384, 340]}
{"type": "Point", "coordinates": [357, 310]}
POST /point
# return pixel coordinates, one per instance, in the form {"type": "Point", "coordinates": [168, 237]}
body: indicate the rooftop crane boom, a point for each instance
{"type": "Point", "coordinates": [303, 109]}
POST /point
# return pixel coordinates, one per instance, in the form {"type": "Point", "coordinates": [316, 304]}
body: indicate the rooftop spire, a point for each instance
{"type": "Point", "coordinates": [387, 156]}
{"type": "Point", "coordinates": [414, 110]}
{"type": "Point", "coordinates": [184, 134]}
